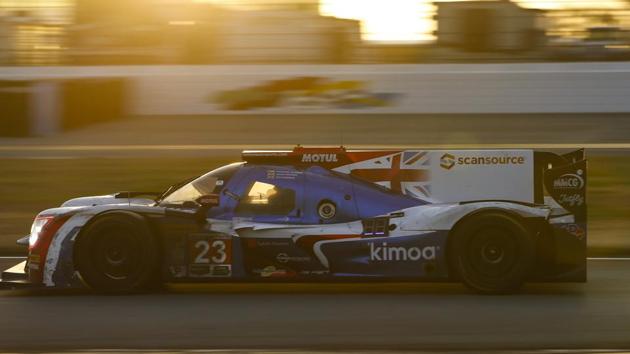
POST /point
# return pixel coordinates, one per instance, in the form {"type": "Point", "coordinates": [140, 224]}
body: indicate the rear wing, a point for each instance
{"type": "Point", "coordinates": [449, 176]}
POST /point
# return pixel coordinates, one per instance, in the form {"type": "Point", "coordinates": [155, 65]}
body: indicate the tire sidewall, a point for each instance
{"type": "Point", "coordinates": [135, 226]}
{"type": "Point", "coordinates": [523, 262]}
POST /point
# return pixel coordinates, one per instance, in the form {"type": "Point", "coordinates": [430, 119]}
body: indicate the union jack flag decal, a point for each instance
{"type": "Point", "coordinates": [407, 172]}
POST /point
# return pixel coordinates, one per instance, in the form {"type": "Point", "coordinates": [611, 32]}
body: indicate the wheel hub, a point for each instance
{"type": "Point", "coordinates": [492, 253]}
{"type": "Point", "coordinates": [115, 254]}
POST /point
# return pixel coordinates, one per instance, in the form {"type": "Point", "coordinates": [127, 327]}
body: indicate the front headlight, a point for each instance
{"type": "Point", "coordinates": [37, 227]}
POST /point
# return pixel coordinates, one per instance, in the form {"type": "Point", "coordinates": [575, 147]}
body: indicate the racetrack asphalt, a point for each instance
{"type": "Point", "coordinates": [398, 316]}
{"type": "Point", "coordinates": [407, 316]}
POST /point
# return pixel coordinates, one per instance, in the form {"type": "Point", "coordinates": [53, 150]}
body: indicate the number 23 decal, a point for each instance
{"type": "Point", "coordinates": [213, 251]}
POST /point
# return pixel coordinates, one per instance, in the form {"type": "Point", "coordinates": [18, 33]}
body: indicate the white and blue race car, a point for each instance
{"type": "Point", "coordinates": [492, 219]}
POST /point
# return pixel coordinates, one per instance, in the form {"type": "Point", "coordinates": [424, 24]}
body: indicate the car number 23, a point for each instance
{"type": "Point", "coordinates": [211, 251]}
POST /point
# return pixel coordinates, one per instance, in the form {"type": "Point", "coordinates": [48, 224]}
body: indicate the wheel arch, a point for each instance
{"type": "Point", "coordinates": [127, 213]}
{"type": "Point", "coordinates": [527, 222]}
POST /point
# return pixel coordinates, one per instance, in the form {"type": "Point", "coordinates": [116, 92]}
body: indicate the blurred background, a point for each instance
{"type": "Point", "coordinates": [97, 32]}
{"type": "Point", "coordinates": [98, 96]}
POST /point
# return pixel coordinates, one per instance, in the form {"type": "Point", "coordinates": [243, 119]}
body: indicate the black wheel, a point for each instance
{"type": "Point", "coordinates": [492, 253]}
{"type": "Point", "coordinates": [117, 253]}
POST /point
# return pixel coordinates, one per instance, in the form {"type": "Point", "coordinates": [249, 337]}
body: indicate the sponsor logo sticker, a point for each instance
{"type": "Point", "coordinates": [571, 200]}
{"type": "Point", "coordinates": [575, 230]}
{"type": "Point", "coordinates": [273, 272]}
{"type": "Point", "coordinates": [571, 181]}
{"type": "Point", "coordinates": [491, 160]}
{"type": "Point", "coordinates": [282, 174]}
{"type": "Point", "coordinates": [447, 161]}
{"type": "Point", "coordinates": [285, 258]}
{"type": "Point", "coordinates": [319, 158]}
{"type": "Point", "coordinates": [385, 252]}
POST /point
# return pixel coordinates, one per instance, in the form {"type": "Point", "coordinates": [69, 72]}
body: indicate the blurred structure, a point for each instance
{"type": "Point", "coordinates": [112, 32]}
{"type": "Point", "coordinates": [475, 28]}
{"type": "Point", "coordinates": [286, 35]}
{"type": "Point", "coordinates": [32, 32]}
{"type": "Point", "coordinates": [186, 32]}
{"type": "Point", "coordinates": [600, 43]}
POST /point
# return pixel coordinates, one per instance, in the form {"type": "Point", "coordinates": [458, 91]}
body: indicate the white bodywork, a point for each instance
{"type": "Point", "coordinates": [413, 221]}
{"type": "Point", "coordinates": [410, 221]}
{"type": "Point", "coordinates": [85, 209]}
{"type": "Point", "coordinates": [451, 176]}
{"type": "Point", "coordinates": [438, 217]}
{"type": "Point", "coordinates": [432, 217]}
{"type": "Point", "coordinates": [105, 200]}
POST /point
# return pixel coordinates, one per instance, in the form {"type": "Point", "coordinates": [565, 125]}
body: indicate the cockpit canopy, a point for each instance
{"type": "Point", "coordinates": [289, 194]}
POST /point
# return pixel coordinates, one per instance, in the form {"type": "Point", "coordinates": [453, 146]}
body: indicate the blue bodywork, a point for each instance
{"type": "Point", "coordinates": [353, 198]}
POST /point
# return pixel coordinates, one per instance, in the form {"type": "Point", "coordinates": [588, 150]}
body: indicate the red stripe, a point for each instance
{"type": "Point", "coordinates": [395, 174]}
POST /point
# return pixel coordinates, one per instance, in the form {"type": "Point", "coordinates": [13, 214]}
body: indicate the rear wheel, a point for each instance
{"type": "Point", "coordinates": [117, 254]}
{"type": "Point", "coordinates": [493, 253]}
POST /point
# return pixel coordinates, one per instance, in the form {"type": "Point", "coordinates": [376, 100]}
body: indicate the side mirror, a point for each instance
{"type": "Point", "coordinates": [208, 201]}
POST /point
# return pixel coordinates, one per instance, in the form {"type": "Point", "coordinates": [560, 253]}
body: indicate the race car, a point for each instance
{"type": "Point", "coordinates": [492, 219]}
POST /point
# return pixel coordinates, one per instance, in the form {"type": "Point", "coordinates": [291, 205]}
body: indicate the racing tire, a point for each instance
{"type": "Point", "coordinates": [493, 253]}
{"type": "Point", "coordinates": [118, 254]}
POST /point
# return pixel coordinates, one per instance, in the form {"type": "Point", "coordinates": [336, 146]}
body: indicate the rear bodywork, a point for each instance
{"type": "Point", "coordinates": [395, 211]}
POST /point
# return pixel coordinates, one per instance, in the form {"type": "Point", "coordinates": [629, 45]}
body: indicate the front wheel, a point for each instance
{"type": "Point", "coordinates": [492, 253]}
{"type": "Point", "coordinates": [117, 253]}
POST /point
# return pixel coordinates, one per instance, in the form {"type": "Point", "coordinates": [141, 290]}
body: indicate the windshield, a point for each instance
{"type": "Point", "coordinates": [210, 183]}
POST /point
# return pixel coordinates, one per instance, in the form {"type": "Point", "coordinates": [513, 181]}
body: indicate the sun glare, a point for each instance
{"type": "Point", "coordinates": [398, 20]}
{"type": "Point", "coordinates": [412, 20]}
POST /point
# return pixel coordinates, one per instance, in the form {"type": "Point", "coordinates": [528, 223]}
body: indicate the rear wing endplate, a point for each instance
{"type": "Point", "coordinates": [564, 178]}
